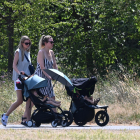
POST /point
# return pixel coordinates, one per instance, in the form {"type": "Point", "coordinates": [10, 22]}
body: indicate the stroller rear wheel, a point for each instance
{"type": "Point", "coordinates": [101, 118]}
{"type": "Point", "coordinates": [68, 117]}
{"type": "Point", "coordinates": [80, 116]}
{"type": "Point", "coordinates": [80, 123]}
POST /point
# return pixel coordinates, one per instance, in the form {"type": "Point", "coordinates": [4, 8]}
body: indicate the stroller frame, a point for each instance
{"type": "Point", "coordinates": [101, 117]}
{"type": "Point", "coordinates": [64, 118]}
{"type": "Point", "coordinates": [81, 109]}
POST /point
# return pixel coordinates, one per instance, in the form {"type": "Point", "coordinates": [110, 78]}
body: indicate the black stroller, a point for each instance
{"type": "Point", "coordinates": [43, 112]}
{"type": "Point", "coordinates": [82, 110]}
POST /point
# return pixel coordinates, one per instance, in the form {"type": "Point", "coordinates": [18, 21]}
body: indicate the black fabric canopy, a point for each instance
{"type": "Point", "coordinates": [85, 86]}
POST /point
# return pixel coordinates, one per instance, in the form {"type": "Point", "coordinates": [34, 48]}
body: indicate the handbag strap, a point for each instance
{"type": "Point", "coordinates": [26, 58]}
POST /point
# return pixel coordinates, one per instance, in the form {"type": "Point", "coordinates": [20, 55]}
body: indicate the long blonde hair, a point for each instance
{"type": "Point", "coordinates": [43, 39]}
{"type": "Point", "coordinates": [23, 38]}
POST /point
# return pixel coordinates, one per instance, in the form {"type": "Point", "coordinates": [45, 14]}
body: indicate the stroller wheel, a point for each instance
{"type": "Point", "coordinates": [80, 123]}
{"type": "Point", "coordinates": [101, 118]}
{"type": "Point", "coordinates": [64, 123]}
{"type": "Point", "coordinates": [68, 117]}
{"type": "Point", "coordinates": [30, 123]}
{"type": "Point", "coordinates": [80, 116]}
{"type": "Point", "coordinates": [54, 123]}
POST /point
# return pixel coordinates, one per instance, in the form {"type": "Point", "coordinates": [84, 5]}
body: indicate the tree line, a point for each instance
{"type": "Point", "coordinates": [90, 36]}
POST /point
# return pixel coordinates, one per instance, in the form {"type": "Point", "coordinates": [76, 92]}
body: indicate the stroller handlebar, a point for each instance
{"type": "Point", "coordinates": [25, 74]}
{"type": "Point", "coordinates": [21, 78]}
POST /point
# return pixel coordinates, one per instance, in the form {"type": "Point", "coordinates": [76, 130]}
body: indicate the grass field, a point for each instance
{"type": "Point", "coordinates": [69, 135]}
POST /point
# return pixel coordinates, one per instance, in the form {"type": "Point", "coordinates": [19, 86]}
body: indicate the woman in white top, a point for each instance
{"type": "Point", "coordinates": [20, 64]}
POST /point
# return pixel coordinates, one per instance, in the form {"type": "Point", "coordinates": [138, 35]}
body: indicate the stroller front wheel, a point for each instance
{"type": "Point", "coordinates": [54, 123]}
{"type": "Point", "coordinates": [64, 123]}
{"type": "Point", "coordinates": [101, 118]}
{"type": "Point", "coordinates": [30, 123]}
{"type": "Point", "coordinates": [68, 118]}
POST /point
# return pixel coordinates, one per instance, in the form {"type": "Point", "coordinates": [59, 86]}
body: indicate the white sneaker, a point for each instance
{"type": "Point", "coordinates": [4, 119]}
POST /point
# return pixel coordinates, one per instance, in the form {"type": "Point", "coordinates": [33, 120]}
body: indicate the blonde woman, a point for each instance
{"type": "Point", "coordinates": [46, 60]}
{"type": "Point", "coordinates": [20, 64]}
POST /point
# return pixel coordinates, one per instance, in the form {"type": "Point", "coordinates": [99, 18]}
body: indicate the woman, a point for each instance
{"type": "Point", "coordinates": [20, 65]}
{"type": "Point", "coordinates": [46, 60]}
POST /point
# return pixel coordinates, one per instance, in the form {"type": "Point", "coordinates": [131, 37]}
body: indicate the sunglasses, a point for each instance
{"type": "Point", "coordinates": [27, 44]}
{"type": "Point", "coordinates": [51, 42]}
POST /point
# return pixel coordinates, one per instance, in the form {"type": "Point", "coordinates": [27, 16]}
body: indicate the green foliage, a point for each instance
{"type": "Point", "coordinates": [90, 36]}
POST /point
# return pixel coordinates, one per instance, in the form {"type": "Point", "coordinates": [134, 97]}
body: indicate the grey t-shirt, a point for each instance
{"type": "Point", "coordinates": [22, 65]}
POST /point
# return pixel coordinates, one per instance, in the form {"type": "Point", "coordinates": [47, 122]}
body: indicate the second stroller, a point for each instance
{"type": "Point", "coordinates": [83, 111]}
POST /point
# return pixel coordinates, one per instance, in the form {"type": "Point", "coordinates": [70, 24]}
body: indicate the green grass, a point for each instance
{"type": "Point", "coordinates": [44, 134]}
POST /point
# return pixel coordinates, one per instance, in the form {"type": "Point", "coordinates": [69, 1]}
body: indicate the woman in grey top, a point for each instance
{"type": "Point", "coordinates": [20, 64]}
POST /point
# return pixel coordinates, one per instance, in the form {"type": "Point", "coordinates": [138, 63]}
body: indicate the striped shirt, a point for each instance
{"type": "Point", "coordinates": [49, 89]}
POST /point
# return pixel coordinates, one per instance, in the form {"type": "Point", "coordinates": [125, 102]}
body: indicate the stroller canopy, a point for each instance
{"type": "Point", "coordinates": [35, 82]}
{"type": "Point", "coordinates": [85, 86]}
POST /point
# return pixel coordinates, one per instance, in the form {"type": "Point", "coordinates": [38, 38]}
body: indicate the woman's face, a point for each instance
{"type": "Point", "coordinates": [50, 43]}
{"type": "Point", "coordinates": [26, 44]}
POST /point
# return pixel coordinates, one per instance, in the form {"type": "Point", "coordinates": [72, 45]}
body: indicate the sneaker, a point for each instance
{"type": "Point", "coordinates": [4, 119]}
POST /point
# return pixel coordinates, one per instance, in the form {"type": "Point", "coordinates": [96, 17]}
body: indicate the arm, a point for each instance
{"type": "Point", "coordinates": [45, 98]}
{"type": "Point", "coordinates": [40, 60]}
{"type": "Point", "coordinates": [91, 98]}
{"type": "Point", "coordinates": [54, 61]}
{"type": "Point", "coordinates": [88, 98]}
{"type": "Point", "coordinates": [35, 93]}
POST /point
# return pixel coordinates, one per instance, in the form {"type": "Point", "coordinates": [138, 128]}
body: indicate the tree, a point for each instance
{"type": "Point", "coordinates": [90, 36]}
{"type": "Point", "coordinates": [11, 11]}
{"type": "Point", "coordinates": [94, 35]}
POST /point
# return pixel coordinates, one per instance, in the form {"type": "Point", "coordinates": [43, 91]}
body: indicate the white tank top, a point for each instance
{"type": "Point", "coordinates": [22, 65]}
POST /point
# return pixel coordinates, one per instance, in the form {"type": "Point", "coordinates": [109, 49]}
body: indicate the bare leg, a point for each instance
{"type": "Point", "coordinates": [53, 103]}
{"type": "Point", "coordinates": [51, 99]}
{"type": "Point", "coordinates": [90, 99]}
{"type": "Point", "coordinates": [27, 113]}
{"type": "Point", "coordinates": [15, 104]}
{"type": "Point", "coordinates": [54, 109]}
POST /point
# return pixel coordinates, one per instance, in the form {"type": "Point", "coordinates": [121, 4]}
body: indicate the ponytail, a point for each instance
{"type": "Point", "coordinates": [42, 41]}
{"type": "Point", "coordinates": [41, 44]}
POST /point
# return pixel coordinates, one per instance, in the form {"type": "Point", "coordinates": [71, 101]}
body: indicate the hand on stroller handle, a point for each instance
{"type": "Point", "coordinates": [22, 73]}
{"type": "Point", "coordinates": [21, 78]}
